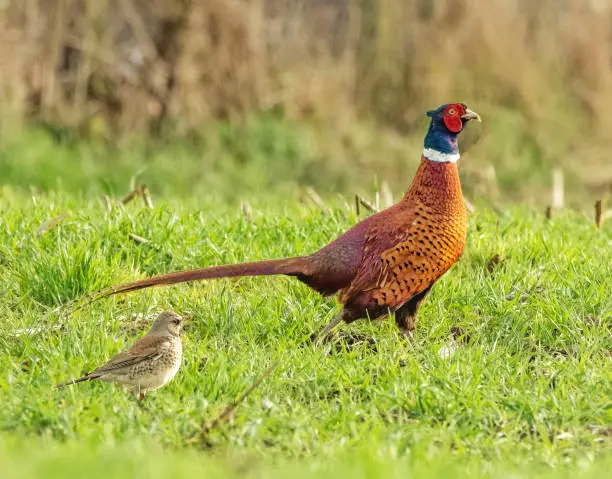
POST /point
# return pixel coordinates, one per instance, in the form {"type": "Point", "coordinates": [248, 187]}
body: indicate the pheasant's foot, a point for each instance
{"type": "Point", "coordinates": [351, 339]}
{"type": "Point", "coordinates": [407, 336]}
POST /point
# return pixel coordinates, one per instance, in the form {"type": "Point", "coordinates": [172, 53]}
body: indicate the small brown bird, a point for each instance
{"type": "Point", "coordinates": [149, 364]}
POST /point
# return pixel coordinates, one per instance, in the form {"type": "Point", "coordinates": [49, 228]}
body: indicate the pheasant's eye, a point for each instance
{"type": "Point", "coordinates": [452, 111]}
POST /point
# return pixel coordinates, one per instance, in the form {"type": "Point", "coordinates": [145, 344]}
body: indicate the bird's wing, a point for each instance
{"type": "Point", "coordinates": [403, 255]}
{"type": "Point", "coordinates": [386, 230]}
{"type": "Point", "coordinates": [145, 349]}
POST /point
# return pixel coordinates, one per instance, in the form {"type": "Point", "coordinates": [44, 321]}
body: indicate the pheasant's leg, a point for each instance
{"type": "Point", "coordinates": [318, 338]}
{"type": "Point", "coordinates": [141, 396]}
{"type": "Point", "coordinates": [406, 315]}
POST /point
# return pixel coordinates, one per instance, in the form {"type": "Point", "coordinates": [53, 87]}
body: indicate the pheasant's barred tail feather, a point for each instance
{"type": "Point", "coordinates": [288, 266]}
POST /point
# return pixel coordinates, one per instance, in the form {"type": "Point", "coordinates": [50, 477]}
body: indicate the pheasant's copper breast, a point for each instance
{"type": "Point", "coordinates": [429, 237]}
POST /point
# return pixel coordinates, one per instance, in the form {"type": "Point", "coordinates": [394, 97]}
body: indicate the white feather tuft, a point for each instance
{"type": "Point", "coordinates": [440, 157]}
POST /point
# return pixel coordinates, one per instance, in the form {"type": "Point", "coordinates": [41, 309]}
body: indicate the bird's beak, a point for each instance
{"type": "Point", "coordinates": [470, 115]}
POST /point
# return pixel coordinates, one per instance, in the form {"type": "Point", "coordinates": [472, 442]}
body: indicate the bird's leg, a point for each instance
{"type": "Point", "coordinates": [139, 394]}
{"type": "Point", "coordinates": [318, 338]}
{"type": "Point", "coordinates": [406, 315]}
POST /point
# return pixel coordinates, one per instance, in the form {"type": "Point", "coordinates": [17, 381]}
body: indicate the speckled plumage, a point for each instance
{"type": "Point", "coordinates": [426, 238]}
{"type": "Point", "coordinates": [389, 261]}
{"type": "Point", "coordinates": [149, 364]}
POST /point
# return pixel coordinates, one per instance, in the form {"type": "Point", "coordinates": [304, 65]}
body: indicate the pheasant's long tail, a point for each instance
{"type": "Point", "coordinates": [288, 266]}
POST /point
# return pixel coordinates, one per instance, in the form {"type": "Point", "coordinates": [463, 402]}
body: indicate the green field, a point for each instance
{"type": "Point", "coordinates": [508, 376]}
{"type": "Point", "coordinates": [255, 125]}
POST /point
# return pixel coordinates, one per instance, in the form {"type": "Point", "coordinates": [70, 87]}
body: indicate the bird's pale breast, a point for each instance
{"type": "Point", "coordinates": [154, 373]}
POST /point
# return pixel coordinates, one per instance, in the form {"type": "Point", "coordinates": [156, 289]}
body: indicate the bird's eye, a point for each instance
{"type": "Point", "coordinates": [452, 111]}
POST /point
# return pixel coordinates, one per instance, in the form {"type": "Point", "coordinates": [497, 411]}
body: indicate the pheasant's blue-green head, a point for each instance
{"type": "Point", "coordinates": [447, 122]}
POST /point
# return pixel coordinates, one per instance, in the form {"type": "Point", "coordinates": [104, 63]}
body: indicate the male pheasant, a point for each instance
{"type": "Point", "coordinates": [389, 261]}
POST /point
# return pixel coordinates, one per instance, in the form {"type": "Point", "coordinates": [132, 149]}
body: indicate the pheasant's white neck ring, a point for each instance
{"type": "Point", "coordinates": [439, 157]}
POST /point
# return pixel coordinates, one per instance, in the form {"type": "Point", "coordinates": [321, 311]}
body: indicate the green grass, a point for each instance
{"type": "Point", "coordinates": [527, 391]}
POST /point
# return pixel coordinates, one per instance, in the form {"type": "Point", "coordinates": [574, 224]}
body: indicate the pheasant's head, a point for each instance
{"type": "Point", "coordinates": [447, 122]}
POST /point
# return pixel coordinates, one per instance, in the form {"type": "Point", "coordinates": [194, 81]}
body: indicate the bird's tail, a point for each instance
{"type": "Point", "coordinates": [87, 377]}
{"type": "Point", "coordinates": [289, 266]}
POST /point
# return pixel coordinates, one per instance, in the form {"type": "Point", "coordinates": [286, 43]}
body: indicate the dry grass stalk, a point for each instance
{"type": "Point", "coordinates": [108, 203]}
{"type": "Point", "coordinates": [360, 201]}
{"type": "Point", "coordinates": [139, 239]}
{"type": "Point", "coordinates": [468, 205]}
{"type": "Point", "coordinates": [558, 190]}
{"type": "Point", "coordinates": [386, 194]}
{"type": "Point", "coordinates": [548, 212]}
{"type": "Point", "coordinates": [246, 210]}
{"type": "Point", "coordinates": [140, 190]}
{"type": "Point", "coordinates": [203, 438]}
{"type": "Point", "coordinates": [52, 223]}
{"type": "Point", "coordinates": [599, 216]}
{"type": "Point", "coordinates": [314, 197]}
{"type": "Point", "coordinates": [129, 197]}
{"type": "Point", "coordinates": [146, 196]}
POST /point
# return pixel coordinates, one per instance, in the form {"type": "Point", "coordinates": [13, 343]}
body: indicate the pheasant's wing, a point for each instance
{"type": "Point", "coordinates": [145, 349]}
{"type": "Point", "coordinates": [400, 261]}
{"type": "Point", "coordinates": [386, 230]}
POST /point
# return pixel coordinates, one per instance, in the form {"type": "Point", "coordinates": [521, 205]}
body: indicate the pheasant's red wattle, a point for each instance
{"type": "Point", "coordinates": [453, 123]}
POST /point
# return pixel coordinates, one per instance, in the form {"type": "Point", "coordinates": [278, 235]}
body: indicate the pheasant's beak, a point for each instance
{"type": "Point", "coordinates": [470, 115]}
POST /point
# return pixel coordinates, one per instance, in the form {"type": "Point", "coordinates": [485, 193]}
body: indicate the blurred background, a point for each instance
{"type": "Point", "coordinates": [236, 98]}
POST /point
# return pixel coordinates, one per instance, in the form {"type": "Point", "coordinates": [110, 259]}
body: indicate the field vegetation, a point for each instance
{"type": "Point", "coordinates": [253, 125]}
